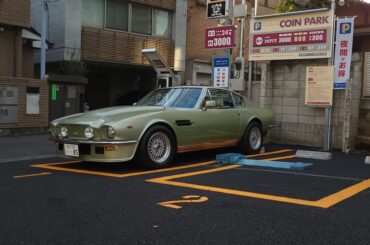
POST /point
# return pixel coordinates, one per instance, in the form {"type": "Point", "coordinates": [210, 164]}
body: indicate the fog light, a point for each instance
{"type": "Point", "coordinates": [89, 132]}
{"type": "Point", "coordinates": [63, 132]}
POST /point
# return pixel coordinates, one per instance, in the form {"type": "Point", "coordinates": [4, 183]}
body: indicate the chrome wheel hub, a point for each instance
{"type": "Point", "coordinates": [255, 138]}
{"type": "Point", "coordinates": [159, 147]}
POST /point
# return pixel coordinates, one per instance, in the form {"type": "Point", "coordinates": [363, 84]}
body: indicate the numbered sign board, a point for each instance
{"type": "Point", "coordinates": [300, 35]}
{"type": "Point", "coordinates": [220, 37]}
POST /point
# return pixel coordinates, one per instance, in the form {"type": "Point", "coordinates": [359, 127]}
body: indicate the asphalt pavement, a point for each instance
{"type": "Point", "coordinates": [56, 201]}
{"type": "Point", "coordinates": [25, 147]}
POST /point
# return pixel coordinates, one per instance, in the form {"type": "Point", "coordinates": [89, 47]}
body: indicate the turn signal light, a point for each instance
{"type": "Point", "coordinates": [110, 148]}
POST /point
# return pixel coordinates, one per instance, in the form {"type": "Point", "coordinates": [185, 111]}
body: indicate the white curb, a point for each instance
{"type": "Point", "coordinates": [314, 155]}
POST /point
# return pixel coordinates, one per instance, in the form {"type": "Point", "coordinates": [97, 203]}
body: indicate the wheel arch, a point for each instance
{"type": "Point", "coordinates": [158, 123]}
{"type": "Point", "coordinates": [254, 119]}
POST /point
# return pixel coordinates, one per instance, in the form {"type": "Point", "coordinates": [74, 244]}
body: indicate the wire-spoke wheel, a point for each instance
{"type": "Point", "coordinates": [157, 147]}
{"type": "Point", "coordinates": [252, 140]}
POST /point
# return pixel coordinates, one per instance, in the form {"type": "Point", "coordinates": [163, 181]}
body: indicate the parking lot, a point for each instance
{"type": "Point", "coordinates": [195, 201]}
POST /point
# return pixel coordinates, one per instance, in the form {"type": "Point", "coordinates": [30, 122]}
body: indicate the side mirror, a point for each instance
{"type": "Point", "coordinates": [210, 104]}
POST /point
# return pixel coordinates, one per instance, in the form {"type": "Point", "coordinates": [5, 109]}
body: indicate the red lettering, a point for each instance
{"type": "Point", "coordinates": [341, 73]}
{"type": "Point", "coordinates": [343, 52]}
{"type": "Point", "coordinates": [344, 44]}
{"type": "Point", "coordinates": [342, 65]}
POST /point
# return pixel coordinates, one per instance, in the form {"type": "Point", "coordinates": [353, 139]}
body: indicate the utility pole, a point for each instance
{"type": "Point", "coordinates": [327, 130]}
{"type": "Point", "coordinates": [44, 9]}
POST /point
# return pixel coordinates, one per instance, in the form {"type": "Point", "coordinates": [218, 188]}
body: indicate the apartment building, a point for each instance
{"type": "Point", "coordinates": [96, 55]}
{"type": "Point", "coordinates": [23, 99]}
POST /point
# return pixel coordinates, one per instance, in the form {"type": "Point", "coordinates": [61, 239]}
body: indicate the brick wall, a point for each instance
{"type": "Point", "coordinates": [15, 13]}
{"type": "Point", "coordinates": [10, 45]}
{"type": "Point", "coordinates": [24, 120]}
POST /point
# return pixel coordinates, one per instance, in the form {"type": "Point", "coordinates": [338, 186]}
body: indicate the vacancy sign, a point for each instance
{"type": "Point", "coordinates": [220, 37]}
{"type": "Point", "coordinates": [217, 8]}
{"type": "Point", "coordinates": [319, 86]}
{"type": "Point", "coordinates": [343, 52]}
{"type": "Point", "coordinates": [291, 36]}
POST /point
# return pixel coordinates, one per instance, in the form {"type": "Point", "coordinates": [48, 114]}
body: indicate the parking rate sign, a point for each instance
{"type": "Point", "coordinates": [220, 74]}
{"type": "Point", "coordinates": [220, 37]}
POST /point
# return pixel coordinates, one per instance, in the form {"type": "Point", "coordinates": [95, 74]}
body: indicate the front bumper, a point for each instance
{"type": "Point", "coordinates": [99, 151]}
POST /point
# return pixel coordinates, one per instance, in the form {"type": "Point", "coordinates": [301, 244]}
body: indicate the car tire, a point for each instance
{"type": "Point", "coordinates": [252, 140]}
{"type": "Point", "coordinates": [156, 148]}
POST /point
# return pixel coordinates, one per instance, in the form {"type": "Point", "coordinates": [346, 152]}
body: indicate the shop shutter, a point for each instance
{"type": "Point", "coordinates": [366, 81]}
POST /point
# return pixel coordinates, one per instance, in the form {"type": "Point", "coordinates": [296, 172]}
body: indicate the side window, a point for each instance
{"type": "Point", "coordinates": [206, 98]}
{"type": "Point", "coordinates": [223, 98]}
{"type": "Point", "coordinates": [239, 101]}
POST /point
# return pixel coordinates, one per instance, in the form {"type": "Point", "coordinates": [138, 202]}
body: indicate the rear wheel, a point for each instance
{"type": "Point", "coordinates": [252, 140]}
{"type": "Point", "coordinates": [157, 147]}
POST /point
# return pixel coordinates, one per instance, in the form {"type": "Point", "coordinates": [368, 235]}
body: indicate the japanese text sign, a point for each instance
{"type": "Point", "coordinates": [303, 35]}
{"type": "Point", "coordinates": [220, 71]}
{"type": "Point", "coordinates": [343, 52]}
{"type": "Point", "coordinates": [217, 8]}
{"type": "Point", "coordinates": [220, 37]}
{"type": "Point", "coordinates": [319, 86]}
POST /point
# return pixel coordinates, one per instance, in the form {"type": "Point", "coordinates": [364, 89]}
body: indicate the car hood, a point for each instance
{"type": "Point", "coordinates": [97, 118]}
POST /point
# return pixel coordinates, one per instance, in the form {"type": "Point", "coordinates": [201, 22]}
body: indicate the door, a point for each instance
{"type": "Point", "coordinates": [221, 123]}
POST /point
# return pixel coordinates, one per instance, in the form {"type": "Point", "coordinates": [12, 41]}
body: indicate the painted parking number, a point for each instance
{"type": "Point", "coordinates": [186, 199]}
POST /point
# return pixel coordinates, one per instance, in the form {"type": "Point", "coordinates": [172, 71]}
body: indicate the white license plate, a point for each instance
{"type": "Point", "coordinates": [71, 150]}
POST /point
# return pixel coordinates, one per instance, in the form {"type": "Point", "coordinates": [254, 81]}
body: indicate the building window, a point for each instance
{"type": "Point", "coordinates": [117, 15]}
{"type": "Point", "coordinates": [161, 23]}
{"type": "Point", "coordinates": [141, 20]}
{"type": "Point", "coordinates": [93, 13]}
{"type": "Point", "coordinates": [33, 101]}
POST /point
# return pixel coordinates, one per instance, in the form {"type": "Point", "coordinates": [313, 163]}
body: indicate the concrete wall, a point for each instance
{"type": "Point", "coordinates": [63, 29]}
{"type": "Point", "coordinates": [283, 91]}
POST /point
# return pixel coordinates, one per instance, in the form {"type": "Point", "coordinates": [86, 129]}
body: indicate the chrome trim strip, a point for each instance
{"type": "Point", "coordinates": [68, 141]}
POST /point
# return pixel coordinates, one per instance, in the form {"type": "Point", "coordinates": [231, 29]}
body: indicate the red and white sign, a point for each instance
{"type": "Point", "coordinates": [220, 37]}
{"type": "Point", "coordinates": [303, 35]}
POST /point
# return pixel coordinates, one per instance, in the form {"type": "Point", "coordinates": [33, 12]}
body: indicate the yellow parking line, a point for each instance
{"type": "Point", "coordinates": [270, 153]}
{"type": "Point", "coordinates": [325, 202]}
{"type": "Point", "coordinates": [73, 170]}
{"type": "Point", "coordinates": [279, 158]}
{"type": "Point", "coordinates": [343, 194]}
{"type": "Point", "coordinates": [30, 175]}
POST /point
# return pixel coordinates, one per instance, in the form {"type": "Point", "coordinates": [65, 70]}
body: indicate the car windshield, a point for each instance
{"type": "Point", "coordinates": [172, 97]}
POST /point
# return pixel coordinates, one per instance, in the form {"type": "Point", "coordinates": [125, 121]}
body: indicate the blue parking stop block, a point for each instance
{"type": "Point", "coordinates": [237, 158]}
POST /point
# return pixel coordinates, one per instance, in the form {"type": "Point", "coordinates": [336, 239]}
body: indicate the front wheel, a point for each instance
{"type": "Point", "coordinates": [252, 140]}
{"type": "Point", "coordinates": [157, 147]}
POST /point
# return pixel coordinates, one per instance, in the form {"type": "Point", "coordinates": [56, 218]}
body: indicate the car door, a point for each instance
{"type": "Point", "coordinates": [220, 123]}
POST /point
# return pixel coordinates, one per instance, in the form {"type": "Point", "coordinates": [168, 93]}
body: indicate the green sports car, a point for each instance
{"type": "Point", "coordinates": [165, 122]}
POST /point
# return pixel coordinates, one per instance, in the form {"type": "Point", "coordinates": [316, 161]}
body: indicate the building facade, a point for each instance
{"type": "Point", "coordinates": [97, 50]}
{"type": "Point", "coordinates": [23, 99]}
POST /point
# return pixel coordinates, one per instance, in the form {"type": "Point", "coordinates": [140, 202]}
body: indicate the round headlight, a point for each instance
{"type": "Point", "coordinates": [89, 132]}
{"type": "Point", "coordinates": [63, 131]}
{"type": "Point", "coordinates": [111, 132]}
